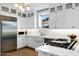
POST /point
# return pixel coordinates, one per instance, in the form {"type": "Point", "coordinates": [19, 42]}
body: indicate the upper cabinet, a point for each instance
{"type": "Point", "coordinates": [52, 17]}
{"type": "Point", "coordinates": [64, 16]}
{"type": "Point", "coordinates": [75, 22]}
{"type": "Point", "coordinates": [59, 17]}
{"type": "Point", "coordinates": [5, 9]}
{"type": "Point", "coordinates": [13, 11]}
{"type": "Point", "coordinates": [25, 21]}
{"type": "Point", "coordinates": [56, 17]}
{"type": "Point", "coordinates": [71, 16]}
{"type": "Point", "coordinates": [8, 11]}
{"type": "Point", "coordinates": [68, 16]}
{"type": "Point", "coordinates": [30, 20]}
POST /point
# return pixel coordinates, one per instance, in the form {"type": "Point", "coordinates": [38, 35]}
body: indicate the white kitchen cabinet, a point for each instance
{"type": "Point", "coordinates": [24, 41]}
{"type": "Point", "coordinates": [68, 19]}
{"type": "Point", "coordinates": [22, 23]}
{"type": "Point", "coordinates": [8, 13]}
{"type": "Point", "coordinates": [31, 22]}
{"type": "Point", "coordinates": [25, 22]}
{"type": "Point", "coordinates": [56, 19]}
{"type": "Point", "coordinates": [38, 41]}
{"type": "Point", "coordinates": [34, 42]}
{"type": "Point", "coordinates": [69, 16]}
{"type": "Point", "coordinates": [59, 19]}
{"type": "Point", "coordinates": [52, 20]}
{"type": "Point", "coordinates": [76, 16]}
{"type": "Point", "coordinates": [29, 42]}
{"type": "Point", "coordinates": [21, 41]}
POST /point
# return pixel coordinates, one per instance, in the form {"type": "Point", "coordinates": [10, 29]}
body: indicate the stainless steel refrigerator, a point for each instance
{"type": "Point", "coordinates": [8, 34]}
{"type": "Point", "coordinates": [0, 38]}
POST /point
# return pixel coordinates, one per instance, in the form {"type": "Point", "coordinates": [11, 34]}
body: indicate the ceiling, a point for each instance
{"type": "Point", "coordinates": [34, 6]}
{"type": "Point", "coordinates": [39, 6]}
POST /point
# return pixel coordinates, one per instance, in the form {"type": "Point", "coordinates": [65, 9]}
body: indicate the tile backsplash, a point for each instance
{"type": "Point", "coordinates": [55, 32]}
{"type": "Point", "coordinates": [63, 32]}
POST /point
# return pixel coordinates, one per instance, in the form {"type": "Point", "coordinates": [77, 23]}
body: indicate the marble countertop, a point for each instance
{"type": "Point", "coordinates": [57, 51]}
{"type": "Point", "coordinates": [45, 36]}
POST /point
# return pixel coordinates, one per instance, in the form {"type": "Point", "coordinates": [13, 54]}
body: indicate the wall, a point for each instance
{"type": "Point", "coordinates": [62, 32]}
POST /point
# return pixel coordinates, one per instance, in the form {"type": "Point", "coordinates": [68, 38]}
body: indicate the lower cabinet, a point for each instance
{"type": "Point", "coordinates": [21, 41]}
{"type": "Point", "coordinates": [33, 42]}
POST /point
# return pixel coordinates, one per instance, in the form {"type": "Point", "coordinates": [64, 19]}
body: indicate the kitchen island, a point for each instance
{"type": "Point", "coordinates": [47, 50]}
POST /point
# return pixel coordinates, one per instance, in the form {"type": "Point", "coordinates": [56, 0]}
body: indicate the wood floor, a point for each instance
{"type": "Point", "coordinates": [21, 52]}
{"type": "Point", "coordinates": [0, 54]}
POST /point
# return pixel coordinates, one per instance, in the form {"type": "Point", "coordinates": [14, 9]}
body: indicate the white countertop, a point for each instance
{"type": "Point", "coordinates": [45, 36]}
{"type": "Point", "coordinates": [57, 50]}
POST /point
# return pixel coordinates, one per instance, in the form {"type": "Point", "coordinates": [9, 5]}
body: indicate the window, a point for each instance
{"type": "Point", "coordinates": [23, 15]}
{"type": "Point", "coordinates": [5, 9]}
{"type": "Point", "coordinates": [19, 14]}
{"type": "Point", "coordinates": [44, 21]}
{"type": "Point", "coordinates": [69, 5]}
{"type": "Point", "coordinates": [52, 9]}
{"type": "Point", "coordinates": [59, 8]}
{"type": "Point", "coordinates": [13, 11]}
{"type": "Point", "coordinates": [76, 4]}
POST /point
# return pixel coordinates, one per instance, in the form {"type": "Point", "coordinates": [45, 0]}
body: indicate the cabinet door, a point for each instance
{"type": "Point", "coordinates": [19, 42]}
{"type": "Point", "coordinates": [68, 16]}
{"type": "Point", "coordinates": [35, 42]}
{"type": "Point", "coordinates": [38, 41]}
{"type": "Point", "coordinates": [59, 17]}
{"type": "Point", "coordinates": [68, 19]}
{"type": "Point", "coordinates": [21, 23]}
{"type": "Point", "coordinates": [76, 16]}
{"type": "Point", "coordinates": [52, 20]}
{"type": "Point", "coordinates": [31, 22]}
{"type": "Point", "coordinates": [24, 41]}
{"type": "Point", "coordinates": [59, 20]}
{"type": "Point", "coordinates": [30, 42]}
